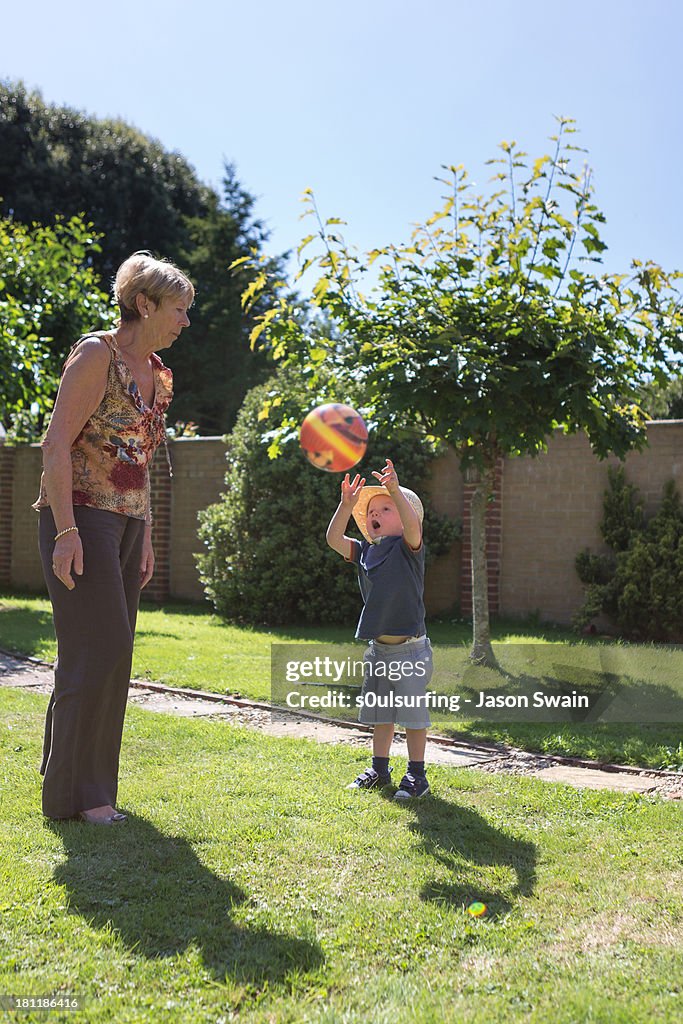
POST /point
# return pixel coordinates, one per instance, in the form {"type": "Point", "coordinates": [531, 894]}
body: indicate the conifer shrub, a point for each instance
{"type": "Point", "coordinates": [638, 585]}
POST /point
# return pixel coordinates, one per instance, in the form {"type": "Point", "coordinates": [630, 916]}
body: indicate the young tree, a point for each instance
{"type": "Point", "coordinates": [492, 327]}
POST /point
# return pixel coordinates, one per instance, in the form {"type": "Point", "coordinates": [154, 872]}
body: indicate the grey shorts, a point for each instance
{"type": "Point", "coordinates": [395, 684]}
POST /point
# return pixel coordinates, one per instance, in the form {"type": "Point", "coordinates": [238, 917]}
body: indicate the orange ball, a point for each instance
{"type": "Point", "coordinates": [334, 437]}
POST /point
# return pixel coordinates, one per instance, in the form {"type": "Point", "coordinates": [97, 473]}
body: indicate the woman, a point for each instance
{"type": "Point", "coordinates": [95, 530]}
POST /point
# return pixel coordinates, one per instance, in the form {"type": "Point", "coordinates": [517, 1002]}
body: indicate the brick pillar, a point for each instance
{"type": "Point", "coordinates": [158, 587]}
{"type": "Point", "coordinates": [6, 512]}
{"type": "Point", "coordinates": [494, 527]}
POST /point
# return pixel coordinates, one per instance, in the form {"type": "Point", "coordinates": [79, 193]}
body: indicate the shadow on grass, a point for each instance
{"type": "Point", "coordinates": [644, 745]}
{"type": "Point", "coordinates": [536, 683]}
{"type": "Point", "coordinates": [452, 835]}
{"type": "Point", "coordinates": [25, 630]}
{"type": "Point", "coordinates": [157, 634]}
{"type": "Point", "coordinates": [633, 696]}
{"type": "Point", "coordinates": [160, 899]}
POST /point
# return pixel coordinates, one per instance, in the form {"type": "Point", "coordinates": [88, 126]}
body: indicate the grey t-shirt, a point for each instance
{"type": "Point", "coordinates": [391, 578]}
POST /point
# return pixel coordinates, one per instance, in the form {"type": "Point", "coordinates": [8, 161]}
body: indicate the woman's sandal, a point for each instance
{"type": "Point", "coordinates": [113, 819]}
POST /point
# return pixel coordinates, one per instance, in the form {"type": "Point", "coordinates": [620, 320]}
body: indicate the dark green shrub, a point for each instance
{"type": "Point", "coordinates": [266, 559]}
{"type": "Point", "coordinates": [640, 586]}
{"type": "Point", "coordinates": [623, 513]}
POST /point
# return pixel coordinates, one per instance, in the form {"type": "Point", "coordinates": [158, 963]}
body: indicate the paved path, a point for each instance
{"type": "Point", "coordinates": [37, 677]}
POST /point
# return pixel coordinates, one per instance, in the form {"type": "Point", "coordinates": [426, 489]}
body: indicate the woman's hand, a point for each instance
{"type": "Point", "coordinates": [68, 556]}
{"type": "Point", "coordinates": [350, 490]}
{"type": "Point", "coordinates": [147, 560]}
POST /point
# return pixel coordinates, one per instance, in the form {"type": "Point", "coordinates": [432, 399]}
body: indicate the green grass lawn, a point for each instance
{"type": "Point", "coordinates": [187, 645]}
{"type": "Point", "coordinates": [250, 883]}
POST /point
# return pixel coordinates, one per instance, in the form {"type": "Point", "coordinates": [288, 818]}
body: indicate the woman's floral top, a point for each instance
{"type": "Point", "coordinates": [111, 455]}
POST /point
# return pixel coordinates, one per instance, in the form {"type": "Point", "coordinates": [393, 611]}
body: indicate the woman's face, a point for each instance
{"type": "Point", "coordinates": [168, 319]}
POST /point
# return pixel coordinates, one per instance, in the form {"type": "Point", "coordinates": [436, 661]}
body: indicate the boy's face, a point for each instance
{"type": "Point", "coordinates": [382, 518]}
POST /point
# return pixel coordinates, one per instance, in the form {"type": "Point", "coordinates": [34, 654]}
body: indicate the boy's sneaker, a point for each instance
{"type": "Point", "coordinates": [370, 779]}
{"type": "Point", "coordinates": [412, 787]}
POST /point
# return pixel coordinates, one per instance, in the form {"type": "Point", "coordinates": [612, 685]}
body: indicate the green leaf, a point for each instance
{"type": "Point", "coordinates": [239, 262]}
{"type": "Point", "coordinates": [253, 288]}
{"type": "Point", "coordinates": [304, 242]}
{"type": "Point", "coordinates": [320, 289]}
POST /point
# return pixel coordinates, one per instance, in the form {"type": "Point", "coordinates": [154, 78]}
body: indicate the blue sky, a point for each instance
{"type": "Point", "coordinates": [363, 101]}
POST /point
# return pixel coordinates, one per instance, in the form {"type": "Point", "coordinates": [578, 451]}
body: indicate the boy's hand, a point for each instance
{"type": "Point", "coordinates": [350, 490]}
{"type": "Point", "coordinates": [388, 477]}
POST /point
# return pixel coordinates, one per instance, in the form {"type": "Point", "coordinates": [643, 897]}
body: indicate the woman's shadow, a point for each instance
{"type": "Point", "coordinates": [458, 837]}
{"type": "Point", "coordinates": [160, 899]}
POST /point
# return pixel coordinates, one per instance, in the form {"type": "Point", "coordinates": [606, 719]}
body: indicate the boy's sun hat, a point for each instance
{"type": "Point", "coordinates": [367, 493]}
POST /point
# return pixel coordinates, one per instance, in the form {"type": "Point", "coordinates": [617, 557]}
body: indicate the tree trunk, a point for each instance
{"type": "Point", "coordinates": [482, 652]}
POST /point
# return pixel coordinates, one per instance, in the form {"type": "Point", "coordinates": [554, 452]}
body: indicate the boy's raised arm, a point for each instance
{"type": "Point", "coordinates": [412, 528]}
{"type": "Point", "coordinates": [335, 537]}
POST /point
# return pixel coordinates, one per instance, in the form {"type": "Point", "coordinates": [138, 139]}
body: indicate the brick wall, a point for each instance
{"type": "Point", "coordinates": [493, 542]}
{"type": "Point", "coordinates": [27, 570]}
{"type": "Point", "coordinates": [442, 582]}
{"type": "Point", "coordinates": [547, 510]}
{"type": "Point", "coordinates": [160, 480]}
{"type": "Point", "coordinates": [198, 478]}
{"type": "Point", "coordinates": [552, 508]}
{"type": "Point", "coordinates": [198, 474]}
{"type": "Point", "coordinates": [6, 504]}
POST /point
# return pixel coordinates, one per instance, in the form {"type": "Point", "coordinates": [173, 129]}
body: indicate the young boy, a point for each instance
{"type": "Point", "coordinates": [398, 661]}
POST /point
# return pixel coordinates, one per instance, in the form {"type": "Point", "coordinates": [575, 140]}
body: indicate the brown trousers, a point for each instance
{"type": "Point", "coordinates": [95, 627]}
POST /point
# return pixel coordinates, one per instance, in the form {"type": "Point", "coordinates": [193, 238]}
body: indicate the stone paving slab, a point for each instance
{"type": "Point", "coordinates": [590, 778]}
{"type": "Point", "coordinates": [295, 726]}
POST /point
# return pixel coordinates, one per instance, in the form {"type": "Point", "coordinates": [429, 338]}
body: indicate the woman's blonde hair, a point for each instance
{"type": "Point", "coordinates": [141, 274]}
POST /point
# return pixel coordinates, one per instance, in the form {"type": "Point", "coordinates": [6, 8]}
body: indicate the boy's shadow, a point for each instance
{"type": "Point", "coordinates": [452, 833]}
{"type": "Point", "coordinates": [160, 899]}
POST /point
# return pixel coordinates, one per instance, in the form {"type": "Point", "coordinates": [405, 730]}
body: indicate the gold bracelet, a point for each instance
{"type": "Point", "coordinates": [69, 529]}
